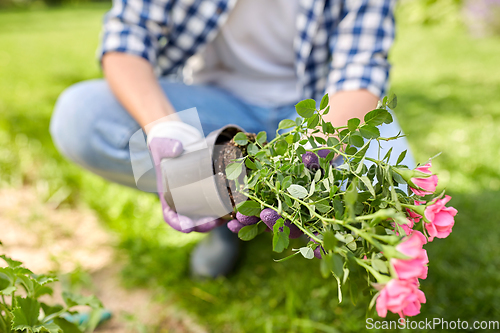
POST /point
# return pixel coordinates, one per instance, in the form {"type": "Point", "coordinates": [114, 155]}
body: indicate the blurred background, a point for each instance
{"type": "Point", "coordinates": [110, 240]}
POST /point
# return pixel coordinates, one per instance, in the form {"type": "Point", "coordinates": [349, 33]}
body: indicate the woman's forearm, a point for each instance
{"type": "Point", "coordinates": [345, 105]}
{"type": "Point", "coordinates": [134, 84]}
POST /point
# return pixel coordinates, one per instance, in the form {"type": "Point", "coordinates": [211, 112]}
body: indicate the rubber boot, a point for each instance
{"type": "Point", "coordinates": [216, 255]}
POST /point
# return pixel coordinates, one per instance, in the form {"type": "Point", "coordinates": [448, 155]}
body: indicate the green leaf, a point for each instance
{"type": "Point", "coordinates": [47, 309]}
{"type": "Point", "coordinates": [306, 108]}
{"type": "Point", "coordinates": [343, 134]}
{"type": "Point", "coordinates": [249, 208]}
{"type": "Point", "coordinates": [286, 123]}
{"type": "Point", "coordinates": [11, 262]}
{"type": "Point", "coordinates": [234, 170]}
{"type": "Point", "coordinates": [392, 101]}
{"type": "Point", "coordinates": [8, 290]}
{"type": "Point", "coordinates": [352, 124]}
{"type": "Point", "coordinates": [324, 102]}
{"type": "Point", "coordinates": [387, 156]}
{"type": "Point", "coordinates": [401, 157]}
{"type": "Point", "coordinates": [261, 137]}
{"type": "Point", "coordinates": [368, 184]}
{"type": "Point", "coordinates": [307, 252]}
{"type": "Point", "coordinates": [333, 262]}
{"type": "Point", "coordinates": [388, 119]}
{"type": "Point", "coordinates": [300, 150]}
{"type": "Point", "coordinates": [252, 149]}
{"type": "Point", "coordinates": [297, 191]}
{"type": "Point", "coordinates": [351, 194]}
{"type": "Point", "coordinates": [241, 139]}
{"type": "Point", "coordinates": [280, 147]}
{"type": "Point", "coordinates": [25, 315]}
{"type": "Point", "coordinates": [248, 232]}
{"type": "Point", "coordinates": [317, 175]}
{"type": "Point", "coordinates": [369, 132]}
{"type": "Point", "coordinates": [250, 164]}
{"type": "Point", "coordinates": [320, 140]}
{"type": "Point", "coordinates": [280, 238]}
{"type": "Point", "coordinates": [376, 117]}
{"type": "Point", "coordinates": [66, 326]}
{"type": "Point", "coordinates": [73, 300]}
{"type": "Point", "coordinates": [286, 182]}
{"type": "Point", "coordinates": [311, 141]}
{"type": "Point", "coordinates": [338, 208]}
{"type": "Point", "coordinates": [329, 240]}
{"type": "Point", "coordinates": [313, 121]}
{"type": "Point", "coordinates": [356, 140]}
{"type": "Point", "coordinates": [321, 207]}
{"type": "Point", "coordinates": [27, 283]}
{"type": "Point", "coordinates": [332, 141]}
{"type": "Point", "coordinates": [312, 187]}
{"type": "Point", "coordinates": [337, 265]}
{"type": "Point", "coordinates": [254, 179]}
{"type": "Point", "coordinates": [327, 110]}
{"type": "Point", "coordinates": [380, 266]}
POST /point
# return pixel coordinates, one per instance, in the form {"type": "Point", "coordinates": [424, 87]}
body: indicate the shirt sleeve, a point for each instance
{"type": "Point", "coordinates": [360, 45]}
{"type": "Point", "coordinates": [135, 27]}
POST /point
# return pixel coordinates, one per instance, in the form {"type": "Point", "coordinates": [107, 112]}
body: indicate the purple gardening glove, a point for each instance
{"type": "Point", "coordinates": [162, 145]}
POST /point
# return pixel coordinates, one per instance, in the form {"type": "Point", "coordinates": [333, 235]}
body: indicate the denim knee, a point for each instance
{"type": "Point", "coordinates": [67, 127]}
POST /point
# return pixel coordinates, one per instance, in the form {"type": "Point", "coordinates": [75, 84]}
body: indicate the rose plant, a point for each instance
{"type": "Point", "coordinates": [316, 180]}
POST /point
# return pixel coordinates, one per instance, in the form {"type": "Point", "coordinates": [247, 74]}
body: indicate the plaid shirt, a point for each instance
{"type": "Point", "coordinates": [339, 45]}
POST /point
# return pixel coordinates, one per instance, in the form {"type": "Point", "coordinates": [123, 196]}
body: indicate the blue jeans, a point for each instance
{"type": "Point", "coordinates": [91, 128]}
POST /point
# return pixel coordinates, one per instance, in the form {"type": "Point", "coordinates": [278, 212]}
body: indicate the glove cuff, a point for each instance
{"type": "Point", "coordinates": [176, 130]}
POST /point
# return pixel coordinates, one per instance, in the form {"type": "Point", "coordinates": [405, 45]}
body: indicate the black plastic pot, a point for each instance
{"type": "Point", "coordinates": [197, 187]}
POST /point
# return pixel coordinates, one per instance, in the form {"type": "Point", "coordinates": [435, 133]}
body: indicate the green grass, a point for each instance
{"type": "Point", "coordinates": [448, 87]}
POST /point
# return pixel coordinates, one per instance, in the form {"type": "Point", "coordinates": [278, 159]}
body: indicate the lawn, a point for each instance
{"type": "Point", "coordinates": [448, 86]}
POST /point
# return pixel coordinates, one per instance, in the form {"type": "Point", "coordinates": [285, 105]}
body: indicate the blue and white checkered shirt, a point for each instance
{"type": "Point", "coordinates": [340, 44]}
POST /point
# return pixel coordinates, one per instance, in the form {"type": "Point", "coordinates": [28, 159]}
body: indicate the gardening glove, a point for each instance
{"type": "Point", "coordinates": [167, 140]}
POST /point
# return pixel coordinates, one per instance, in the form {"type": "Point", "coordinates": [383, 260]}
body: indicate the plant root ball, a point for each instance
{"type": "Point", "coordinates": [270, 216]}
{"type": "Point", "coordinates": [235, 226]}
{"type": "Point", "coordinates": [310, 160]}
{"type": "Point", "coordinates": [246, 220]}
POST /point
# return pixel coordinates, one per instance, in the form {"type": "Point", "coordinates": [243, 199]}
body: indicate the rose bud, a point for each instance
{"type": "Point", "coordinates": [427, 185]}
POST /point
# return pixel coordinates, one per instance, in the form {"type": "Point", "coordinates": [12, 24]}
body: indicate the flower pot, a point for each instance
{"type": "Point", "coordinates": [195, 183]}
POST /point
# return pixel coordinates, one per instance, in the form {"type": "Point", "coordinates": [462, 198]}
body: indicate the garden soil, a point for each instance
{"type": "Point", "coordinates": [51, 239]}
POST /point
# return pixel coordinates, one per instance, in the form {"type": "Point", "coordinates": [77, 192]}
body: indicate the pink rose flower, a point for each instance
{"type": "Point", "coordinates": [416, 265]}
{"type": "Point", "coordinates": [406, 227]}
{"type": "Point", "coordinates": [441, 218]}
{"type": "Point", "coordinates": [400, 296]}
{"type": "Point", "coordinates": [428, 184]}
{"type": "Point", "coordinates": [414, 217]}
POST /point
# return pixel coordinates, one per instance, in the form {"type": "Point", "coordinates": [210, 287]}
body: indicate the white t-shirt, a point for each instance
{"type": "Point", "coordinates": [253, 56]}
